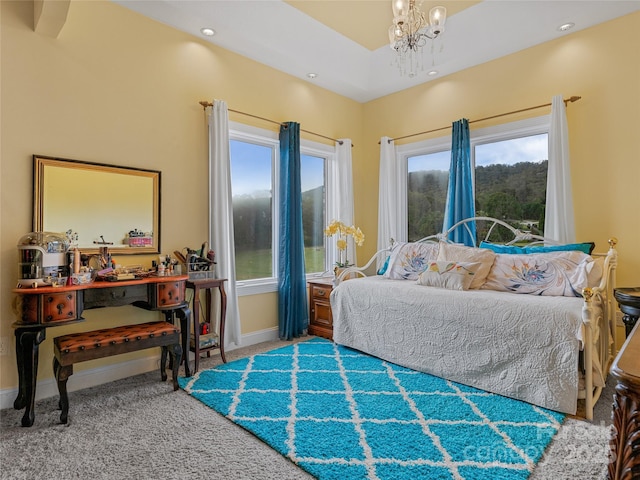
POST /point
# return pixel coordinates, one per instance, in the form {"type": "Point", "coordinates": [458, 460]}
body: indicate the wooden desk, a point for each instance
{"type": "Point", "coordinates": [624, 445]}
{"type": "Point", "coordinates": [207, 284]}
{"type": "Point", "coordinates": [46, 307]}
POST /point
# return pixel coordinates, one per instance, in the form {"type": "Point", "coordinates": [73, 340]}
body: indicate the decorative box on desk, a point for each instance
{"type": "Point", "coordinates": [320, 316]}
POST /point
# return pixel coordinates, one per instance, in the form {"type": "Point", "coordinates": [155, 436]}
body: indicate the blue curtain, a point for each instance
{"type": "Point", "coordinates": [460, 201]}
{"type": "Point", "coordinates": [293, 314]}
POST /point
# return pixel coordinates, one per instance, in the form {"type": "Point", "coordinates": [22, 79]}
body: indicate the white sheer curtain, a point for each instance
{"type": "Point", "coordinates": [221, 214]}
{"type": "Point", "coordinates": [559, 221]}
{"type": "Point", "coordinates": [389, 210]}
{"type": "Point", "coordinates": [343, 207]}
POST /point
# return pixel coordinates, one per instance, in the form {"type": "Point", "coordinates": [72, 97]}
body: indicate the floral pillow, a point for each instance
{"type": "Point", "coordinates": [408, 260]}
{"type": "Point", "coordinates": [554, 274]}
{"type": "Point", "coordinates": [462, 253]}
{"type": "Point", "coordinates": [451, 275]}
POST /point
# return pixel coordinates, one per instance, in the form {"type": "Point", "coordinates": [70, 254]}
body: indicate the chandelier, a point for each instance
{"type": "Point", "coordinates": [411, 31]}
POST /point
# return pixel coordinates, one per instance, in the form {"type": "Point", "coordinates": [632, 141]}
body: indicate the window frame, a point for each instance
{"type": "Point", "coordinates": [259, 136]}
{"type": "Point", "coordinates": [506, 131]}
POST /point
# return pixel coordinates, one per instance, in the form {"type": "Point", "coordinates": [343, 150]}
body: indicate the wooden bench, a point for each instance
{"type": "Point", "coordinates": [80, 347]}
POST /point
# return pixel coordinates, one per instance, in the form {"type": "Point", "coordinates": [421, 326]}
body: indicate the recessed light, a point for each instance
{"type": "Point", "coordinates": [566, 26]}
{"type": "Point", "coordinates": [432, 73]}
{"type": "Point", "coordinates": [312, 75]}
{"type": "Point", "coordinates": [208, 32]}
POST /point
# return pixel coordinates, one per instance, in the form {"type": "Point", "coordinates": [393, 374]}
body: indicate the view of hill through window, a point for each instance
{"type": "Point", "coordinates": [510, 184]}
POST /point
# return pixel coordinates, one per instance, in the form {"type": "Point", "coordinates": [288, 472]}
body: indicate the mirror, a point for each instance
{"type": "Point", "coordinates": [100, 205]}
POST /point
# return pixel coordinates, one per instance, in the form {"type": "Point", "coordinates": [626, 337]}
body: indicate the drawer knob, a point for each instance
{"type": "Point", "coordinates": [321, 292]}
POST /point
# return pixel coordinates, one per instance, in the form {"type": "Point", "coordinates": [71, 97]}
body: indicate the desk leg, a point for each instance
{"type": "Point", "coordinates": [184, 314]}
{"type": "Point", "coordinates": [27, 349]}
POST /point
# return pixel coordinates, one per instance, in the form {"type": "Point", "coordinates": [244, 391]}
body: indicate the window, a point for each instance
{"type": "Point", "coordinates": [427, 181]}
{"type": "Point", "coordinates": [254, 183]}
{"type": "Point", "coordinates": [511, 180]}
{"type": "Point", "coordinates": [251, 184]}
{"type": "Point", "coordinates": [313, 211]}
{"type": "Point", "coordinates": [510, 177]}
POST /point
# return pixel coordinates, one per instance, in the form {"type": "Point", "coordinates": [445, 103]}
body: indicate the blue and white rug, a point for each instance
{"type": "Point", "coordinates": [340, 414]}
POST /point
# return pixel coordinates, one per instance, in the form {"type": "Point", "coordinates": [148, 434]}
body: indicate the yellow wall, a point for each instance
{"type": "Point", "coordinates": [601, 64]}
{"type": "Point", "coordinates": [118, 88]}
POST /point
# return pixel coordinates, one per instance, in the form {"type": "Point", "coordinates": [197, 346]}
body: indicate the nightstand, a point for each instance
{"type": "Point", "coordinates": [320, 317]}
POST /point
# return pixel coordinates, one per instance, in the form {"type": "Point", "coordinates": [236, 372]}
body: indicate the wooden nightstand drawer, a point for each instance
{"type": "Point", "coordinates": [320, 316]}
{"type": "Point", "coordinates": [321, 291]}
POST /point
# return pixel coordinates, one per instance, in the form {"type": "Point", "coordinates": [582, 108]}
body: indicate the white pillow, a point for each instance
{"type": "Point", "coordinates": [595, 270]}
{"type": "Point", "coordinates": [554, 274]}
{"type": "Point", "coordinates": [460, 253]}
{"type": "Point", "coordinates": [408, 260]}
{"type": "Point", "coordinates": [451, 275]}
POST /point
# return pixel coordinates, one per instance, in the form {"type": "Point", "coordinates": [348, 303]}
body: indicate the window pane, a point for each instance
{"type": "Point", "coordinates": [251, 174]}
{"type": "Point", "coordinates": [313, 211]}
{"type": "Point", "coordinates": [427, 179]}
{"type": "Point", "coordinates": [511, 181]}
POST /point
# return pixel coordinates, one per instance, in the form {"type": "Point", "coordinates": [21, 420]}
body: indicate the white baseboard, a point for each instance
{"type": "Point", "coordinates": [98, 376]}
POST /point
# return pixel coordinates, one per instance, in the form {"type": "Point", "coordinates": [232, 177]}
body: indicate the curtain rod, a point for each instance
{"type": "Point", "coordinates": [567, 100]}
{"type": "Point", "coordinates": [206, 104]}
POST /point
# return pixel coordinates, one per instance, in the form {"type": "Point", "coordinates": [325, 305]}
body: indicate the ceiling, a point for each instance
{"type": "Point", "coordinates": [345, 42]}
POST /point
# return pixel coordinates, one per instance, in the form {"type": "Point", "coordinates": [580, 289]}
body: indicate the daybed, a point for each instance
{"type": "Point", "coordinates": [535, 324]}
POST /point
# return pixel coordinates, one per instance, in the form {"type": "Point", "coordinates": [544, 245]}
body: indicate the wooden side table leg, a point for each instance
{"type": "Point", "coordinates": [207, 314]}
{"type": "Point", "coordinates": [223, 316]}
{"type": "Point", "coordinates": [629, 322]}
{"type": "Point", "coordinates": [196, 328]}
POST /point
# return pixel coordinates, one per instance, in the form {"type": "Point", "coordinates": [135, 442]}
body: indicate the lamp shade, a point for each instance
{"type": "Point", "coordinates": [400, 7]}
{"type": "Point", "coordinates": [437, 16]}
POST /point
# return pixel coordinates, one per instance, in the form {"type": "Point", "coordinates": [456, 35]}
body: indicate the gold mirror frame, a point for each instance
{"type": "Point", "coordinates": [98, 202]}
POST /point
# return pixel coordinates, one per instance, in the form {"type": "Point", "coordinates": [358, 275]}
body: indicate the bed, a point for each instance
{"type": "Point", "coordinates": [548, 347]}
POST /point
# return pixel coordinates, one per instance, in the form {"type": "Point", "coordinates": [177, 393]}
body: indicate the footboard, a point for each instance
{"type": "Point", "coordinates": [599, 320]}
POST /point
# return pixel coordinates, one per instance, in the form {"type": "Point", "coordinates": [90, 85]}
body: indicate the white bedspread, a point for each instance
{"type": "Point", "coordinates": [521, 346]}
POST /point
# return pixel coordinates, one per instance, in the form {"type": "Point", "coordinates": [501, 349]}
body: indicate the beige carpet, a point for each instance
{"type": "Point", "coordinates": [138, 428]}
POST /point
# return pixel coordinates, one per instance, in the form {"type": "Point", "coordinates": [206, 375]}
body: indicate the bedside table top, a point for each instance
{"type": "Point", "coordinates": [327, 281]}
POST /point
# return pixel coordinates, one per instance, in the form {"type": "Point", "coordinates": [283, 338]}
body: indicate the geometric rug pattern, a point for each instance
{"type": "Point", "coordinates": [340, 414]}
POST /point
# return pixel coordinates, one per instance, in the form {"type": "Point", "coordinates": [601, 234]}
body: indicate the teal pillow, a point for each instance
{"type": "Point", "coordinates": [383, 268]}
{"type": "Point", "coordinates": [586, 247]}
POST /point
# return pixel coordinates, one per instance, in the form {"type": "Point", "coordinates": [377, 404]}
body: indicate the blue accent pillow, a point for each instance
{"type": "Point", "coordinates": [384, 267]}
{"type": "Point", "coordinates": [586, 247]}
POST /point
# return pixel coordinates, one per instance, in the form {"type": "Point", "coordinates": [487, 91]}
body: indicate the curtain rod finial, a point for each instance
{"type": "Point", "coordinates": [205, 104]}
{"type": "Point", "coordinates": [575, 98]}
